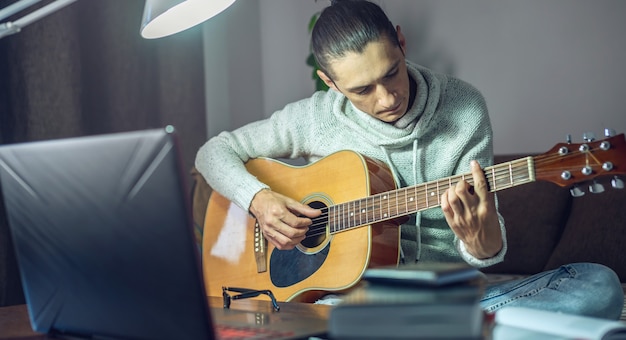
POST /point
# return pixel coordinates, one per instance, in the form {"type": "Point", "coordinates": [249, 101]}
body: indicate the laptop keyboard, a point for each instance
{"type": "Point", "coordinates": [226, 332]}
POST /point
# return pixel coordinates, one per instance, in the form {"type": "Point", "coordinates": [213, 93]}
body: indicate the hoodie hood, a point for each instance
{"type": "Point", "coordinates": [414, 123]}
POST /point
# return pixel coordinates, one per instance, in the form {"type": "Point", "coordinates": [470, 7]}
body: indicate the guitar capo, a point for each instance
{"type": "Point", "coordinates": [245, 293]}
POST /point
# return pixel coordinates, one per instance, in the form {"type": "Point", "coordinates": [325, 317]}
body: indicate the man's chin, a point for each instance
{"type": "Point", "coordinates": [390, 121]}
{"type": "Point", "coordinates": [390, 118]}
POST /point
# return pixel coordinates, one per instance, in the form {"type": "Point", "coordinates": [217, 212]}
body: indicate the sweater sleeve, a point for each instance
{"type": "Point", "coordinates": [480, 148]}
{"type": "Point", "coordinates": [221, 160]}
{"type": "Point", "coordinates": [476, 262]}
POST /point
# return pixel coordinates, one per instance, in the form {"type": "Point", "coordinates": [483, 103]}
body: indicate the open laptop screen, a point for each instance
{"type": "Point", "coordinates": [103, 236]}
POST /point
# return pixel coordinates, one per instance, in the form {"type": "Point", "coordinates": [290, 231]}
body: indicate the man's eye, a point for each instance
{"type": "Point", "coordinates": [391, 75]}
{"type": "Point", "coordinates": [364, 91]}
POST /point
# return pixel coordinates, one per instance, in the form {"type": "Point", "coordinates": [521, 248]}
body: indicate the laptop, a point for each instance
{"type": "Point", "coordinates": [104, 240]}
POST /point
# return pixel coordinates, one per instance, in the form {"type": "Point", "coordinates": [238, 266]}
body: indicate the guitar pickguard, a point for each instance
{"type": "Point", "coordinates": [288, 267]}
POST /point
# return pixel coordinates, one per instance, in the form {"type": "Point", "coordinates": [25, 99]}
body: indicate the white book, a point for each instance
{"type": "Point", "coordinates": [523, 323]}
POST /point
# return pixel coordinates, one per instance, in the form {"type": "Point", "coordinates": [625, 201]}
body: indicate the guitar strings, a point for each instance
{"type": "Point", "coordinates": [319, 225]}
{"type": "Point", "coordinates": [499, 177]}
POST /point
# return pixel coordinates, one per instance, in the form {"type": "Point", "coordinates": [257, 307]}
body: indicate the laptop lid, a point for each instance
{"type": "Point", "coordinates": [103, 236]}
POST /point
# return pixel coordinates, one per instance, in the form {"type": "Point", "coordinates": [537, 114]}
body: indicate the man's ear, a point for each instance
{"type": "Point", "coordinates": [326, 79]}
{"type": "Point", "coordinates": [401, 39]}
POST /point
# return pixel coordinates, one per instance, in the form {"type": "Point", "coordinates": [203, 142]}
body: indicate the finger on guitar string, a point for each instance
{"type": "Point", "coordinates": [284, 238]}
{"type": "Point", "coordinates": [283, 220]}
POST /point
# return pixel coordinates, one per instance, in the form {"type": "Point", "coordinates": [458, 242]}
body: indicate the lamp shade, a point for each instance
{"type": "Point", "coordinates": [165, 17]}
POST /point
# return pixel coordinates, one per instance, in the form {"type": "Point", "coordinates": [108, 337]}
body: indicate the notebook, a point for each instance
{"type": "Point", "coordinates": [104, 239]}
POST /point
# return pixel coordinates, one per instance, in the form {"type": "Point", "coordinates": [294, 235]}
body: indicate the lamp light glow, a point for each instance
{"type": "Point", "coordinates": [166, 17]}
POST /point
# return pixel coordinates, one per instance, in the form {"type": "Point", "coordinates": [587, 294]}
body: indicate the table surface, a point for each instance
{"type": "Point", "coordinates": [15, 324]}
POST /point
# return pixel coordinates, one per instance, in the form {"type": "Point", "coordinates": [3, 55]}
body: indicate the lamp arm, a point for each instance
{"type": "Point", "coordinates": [13, 27]}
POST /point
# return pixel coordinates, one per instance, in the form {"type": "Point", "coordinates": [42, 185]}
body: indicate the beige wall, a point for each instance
{"type": "Point", "coordinates": [546, 68]}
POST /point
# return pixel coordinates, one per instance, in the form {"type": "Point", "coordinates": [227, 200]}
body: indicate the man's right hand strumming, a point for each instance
{"type": "Point", "coordinates": [283, 221]}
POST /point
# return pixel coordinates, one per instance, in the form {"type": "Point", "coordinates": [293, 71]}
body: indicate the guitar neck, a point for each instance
{"type": "Point", "coordinates": [401, 202]}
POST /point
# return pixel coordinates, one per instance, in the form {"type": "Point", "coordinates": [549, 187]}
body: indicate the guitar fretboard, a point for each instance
{"type": "Point", "coordinates": [401, 202]}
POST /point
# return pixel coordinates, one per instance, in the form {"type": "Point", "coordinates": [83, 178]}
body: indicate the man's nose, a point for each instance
{"type": "Point", "coordinates": [386, 97]}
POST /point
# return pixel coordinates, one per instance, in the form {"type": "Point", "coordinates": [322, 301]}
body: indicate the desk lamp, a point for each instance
{"type": "Point", "coordinates": [160, 17]}
{"type": "Point", "coordinates": [165, 17]}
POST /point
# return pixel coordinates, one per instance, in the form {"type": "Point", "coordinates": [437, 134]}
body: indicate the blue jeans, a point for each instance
{"type": "Point", "coordinates": [581, 288]}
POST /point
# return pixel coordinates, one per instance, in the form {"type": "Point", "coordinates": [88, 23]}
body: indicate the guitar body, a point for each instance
{"type": "Point", "coordinates": [235, 254]}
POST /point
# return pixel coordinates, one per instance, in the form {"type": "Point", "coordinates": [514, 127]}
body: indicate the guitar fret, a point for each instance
{"type": "Point", "coordinates": [374, 209]}
{"type": "Point", "coordinates": [407, 199]}
{"type": "Point", "coordinates": [371, 210]}
{"type": "Point", "coordinates": [351, 217]}
{"type": "Point", "coordinates": [343, 216]}
{"type": "Point", "coordinates": [369, 213]}
{"type": "Point", "coordinates": [367, 219]}
{"type": "Point", "coordinates": [338, 218]}
{"type": "Point", "coordinates": [359, 212]}
{"type": "Point", "coordinates": [383, 214]}
{"type": "Point", "coordinates": [396, 209]}
{"type": "Point", "coordinates": [426, 194]}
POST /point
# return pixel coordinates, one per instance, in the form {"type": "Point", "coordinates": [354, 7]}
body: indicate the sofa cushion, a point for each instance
{"type": "Point", "coordinates": [595, 234]}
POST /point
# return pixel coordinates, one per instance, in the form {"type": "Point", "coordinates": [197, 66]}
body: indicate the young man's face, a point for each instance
{"type": "Point", "coordinates": [375, 81]}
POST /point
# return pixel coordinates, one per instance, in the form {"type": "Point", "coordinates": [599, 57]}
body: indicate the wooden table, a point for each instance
{"type": "Point", "coordinates": [15, 324]}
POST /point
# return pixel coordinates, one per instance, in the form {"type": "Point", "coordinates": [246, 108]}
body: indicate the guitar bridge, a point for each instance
{"type": "Point", "coordinates": [260, 246]}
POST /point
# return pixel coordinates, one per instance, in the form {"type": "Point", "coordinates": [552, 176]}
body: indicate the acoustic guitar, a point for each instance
{"type": "Point", "coordinates": [361, 211]}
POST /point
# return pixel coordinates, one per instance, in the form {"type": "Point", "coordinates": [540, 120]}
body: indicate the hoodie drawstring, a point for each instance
{"type": "Point", "coordinates": [415, 181]}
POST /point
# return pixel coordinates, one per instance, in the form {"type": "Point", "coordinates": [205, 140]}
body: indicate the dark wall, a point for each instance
{"type": "Point", "coordinates": [85, 70]}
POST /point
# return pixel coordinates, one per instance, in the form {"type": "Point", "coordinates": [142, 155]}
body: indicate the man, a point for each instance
{"type": "Point", "coordinates": [425, 126]}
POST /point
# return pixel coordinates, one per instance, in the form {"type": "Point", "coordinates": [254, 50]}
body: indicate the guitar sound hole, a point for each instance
{"type": "Point", "coordinates": [317, 231]}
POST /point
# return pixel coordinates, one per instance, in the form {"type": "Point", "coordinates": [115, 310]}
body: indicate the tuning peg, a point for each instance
{"type": "Point", "coordinates": [589, 137]}
{"type": "Point", "coordinates": [568, 138]}
{"type": "Point", "coordinates": [607, 166]}
{"type": "Point", "coordinates": [576, 191]}
{"type": "Point", "coordinates": [617, 183]}
{"type": "Point", "coordinates": [609, 132]}
{"type": "Point", "coordinates": [596, 188]}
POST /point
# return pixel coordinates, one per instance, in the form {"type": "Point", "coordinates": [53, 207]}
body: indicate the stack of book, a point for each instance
{"type": "Point", "coordinates": [417, 301]}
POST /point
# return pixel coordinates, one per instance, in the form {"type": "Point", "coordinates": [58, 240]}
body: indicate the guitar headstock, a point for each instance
{"type": "Point", "coordinates": [568, 164]}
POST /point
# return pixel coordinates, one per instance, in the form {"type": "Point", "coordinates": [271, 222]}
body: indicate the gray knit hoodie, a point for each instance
{"type": "Point", "coordinates": [447, 127]}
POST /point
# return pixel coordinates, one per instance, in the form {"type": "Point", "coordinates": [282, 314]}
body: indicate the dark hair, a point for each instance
{"type": "Point", "coordinates": [348, 26]}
